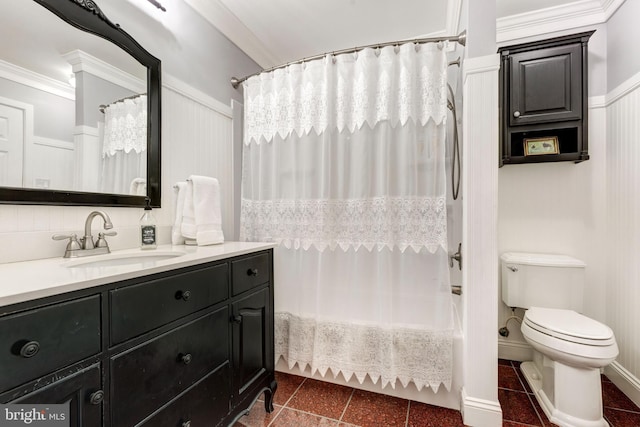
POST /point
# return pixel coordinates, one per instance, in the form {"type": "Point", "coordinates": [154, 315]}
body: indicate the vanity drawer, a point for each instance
{"type": "Point", "coordinates": [140, 308]}
{"type": "Point", "coordinates": [250, 272]}
{"type": "Point", "coordinates": [148, 376]}
{"type": "Point", "coordinates": [204, 405]}
{"type": "Point", "coordinates": [39, 341]}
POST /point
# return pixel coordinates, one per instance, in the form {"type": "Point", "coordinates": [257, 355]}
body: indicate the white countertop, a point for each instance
{"type": "Point", "coordinates": [28, 280]}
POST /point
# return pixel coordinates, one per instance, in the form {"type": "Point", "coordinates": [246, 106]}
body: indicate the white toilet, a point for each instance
{"type": "Point", "coordinates": [569, 348]}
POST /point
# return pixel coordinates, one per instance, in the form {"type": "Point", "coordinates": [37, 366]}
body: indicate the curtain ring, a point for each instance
{"type": "Point", "coordinates": [334, 59]}
{"type": "Point", "coordinates": [355, 54]}
{"type": "Point", "coordinates": [417, 47]}
{"type": "Point", "coordinates": [377, 51]}
{"type": "Point", "coordinates": [396, 48]}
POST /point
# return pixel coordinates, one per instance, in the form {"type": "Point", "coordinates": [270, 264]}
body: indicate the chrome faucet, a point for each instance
{"type": "Point", "coordinates": [87, 240]}
{"type": "Point", "coordinates": [85, 246]}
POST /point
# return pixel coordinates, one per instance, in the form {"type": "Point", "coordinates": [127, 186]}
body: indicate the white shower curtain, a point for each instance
{"type": "Point", "coordinates": [343, 166]}
{"type": "Point", "coordinates": [124, 145]}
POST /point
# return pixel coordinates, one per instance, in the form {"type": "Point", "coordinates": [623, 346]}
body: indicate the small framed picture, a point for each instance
{"type": "Point", "coordinates": [538, 146]}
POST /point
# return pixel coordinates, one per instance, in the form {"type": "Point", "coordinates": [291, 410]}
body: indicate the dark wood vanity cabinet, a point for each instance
{"type": "Point", "coordinates": [188, 347]}
{"type": "Point", "coordinates": [543, 101]}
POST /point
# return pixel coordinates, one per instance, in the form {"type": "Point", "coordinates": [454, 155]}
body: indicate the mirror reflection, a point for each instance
{"type": "Point", "coordinates": [73, 107]}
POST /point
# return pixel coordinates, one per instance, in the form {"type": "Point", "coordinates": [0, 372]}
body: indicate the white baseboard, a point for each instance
{"type": "Point", "coordinates": [628, 383]}
{"type": "Point", "coordinates": [514, 350]}
{"type": "Point", "coordinates": [480, 412]}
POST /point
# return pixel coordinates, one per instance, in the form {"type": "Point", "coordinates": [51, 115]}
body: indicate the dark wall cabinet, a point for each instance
{"type": "Point", "coordinates": [189, 347]}
{"type": "Point", "coordinates": [543, 101]}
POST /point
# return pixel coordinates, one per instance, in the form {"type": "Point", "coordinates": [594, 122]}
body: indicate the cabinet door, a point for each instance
{"type": "Point", "coordinates": [82, 390]}
{"type": "Point", "coordinates": [252, 341]}
{"type": "Point", "coordinates": [546, 85]}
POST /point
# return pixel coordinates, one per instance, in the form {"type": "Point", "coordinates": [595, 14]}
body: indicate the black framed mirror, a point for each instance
{"type": "Point", "coordinates": [85, 18]}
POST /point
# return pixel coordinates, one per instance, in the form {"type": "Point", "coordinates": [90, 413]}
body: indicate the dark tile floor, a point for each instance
{"type": "Point", "coordinates": [304, 402]}
{"type": "Point", "coordinates": [520, 407]}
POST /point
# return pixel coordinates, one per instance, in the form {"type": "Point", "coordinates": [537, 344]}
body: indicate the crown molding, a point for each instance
{"type": "Point", "coordinates": [82, 61]}
{"type": "Point", "coordinates": [569, 16]}
{"type": "Point", "coordinates": [37, 81]}
{"type": "Point", "coordinates": [235, 30]}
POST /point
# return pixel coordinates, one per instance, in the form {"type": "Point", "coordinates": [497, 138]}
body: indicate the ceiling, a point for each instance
{"type": "Point", "coordinates": [274, 32]}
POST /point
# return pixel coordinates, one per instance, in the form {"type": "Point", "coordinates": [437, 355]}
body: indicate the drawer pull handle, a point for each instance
{"type": "Point", "coordinates": [186, 423]}
{"type": "Point", "coordinates": [252, 272]}
{"type": "Point", "coordinates": [183, 295]}
{"type": "Point", "coordinates": [30, 349]}
{"type": "Point", "coordinates": [237, 319]}
{"type": "Point", "coordinates": [185, 358]}
{"type": "Point", "coordinates": [96, 397]}
{"type": "Point", "coordinates": [516, 114]}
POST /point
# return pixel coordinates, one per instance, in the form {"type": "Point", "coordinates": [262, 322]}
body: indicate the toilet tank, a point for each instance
{"type": "Point", "coordinates": [542, 280]}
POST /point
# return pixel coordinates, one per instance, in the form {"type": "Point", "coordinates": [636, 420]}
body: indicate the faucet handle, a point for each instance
{"type": "Point", "coordinates": [102, 242]}
{"type": "Point", "coordinates": [73, 245]}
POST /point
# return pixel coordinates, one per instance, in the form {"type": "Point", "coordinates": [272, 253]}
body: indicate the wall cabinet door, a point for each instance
{"type": "Point", "coordinates": [546, 85]}
{"type": "Point", "coordinates": [252, 341]}
{"type": "Point", "coordinates": [82, 390]}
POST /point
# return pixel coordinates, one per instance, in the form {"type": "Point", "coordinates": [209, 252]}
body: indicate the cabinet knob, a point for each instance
{"type": "Point", "coordinates": [252, 272]}
{"type": "Point", "coordinates": [237, 319]}
{"type": "Point", "coordinates": [183, 295]}
{"type": "Point", "coordinates": [96, 397]}
{"type": "Point", "coordinates": [186, 423]}
{"type": "Point", "coordinates": [185, 358]}
{"type": "Point", "coordinates": [30, 349]}
{"type": "Point", "coordinates": [516, 114]}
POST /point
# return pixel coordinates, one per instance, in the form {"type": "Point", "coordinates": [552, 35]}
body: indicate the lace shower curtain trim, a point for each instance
{"type": "Point", "coordinates": [287, 101]}
{"type": "Point", "coordinates": [378, 222]}
{"type": "Point", "coordinates": [125, 126]}
{"type": "Point", "coordinates": [407, 354]}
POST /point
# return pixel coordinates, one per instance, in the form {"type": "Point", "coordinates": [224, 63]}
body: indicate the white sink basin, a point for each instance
{"type": "Point", "coordinates": [142, 259]}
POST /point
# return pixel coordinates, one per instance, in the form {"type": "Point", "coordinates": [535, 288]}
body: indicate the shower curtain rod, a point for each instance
{"type": "Point", "coordinates": [460, 38]}
{"type": "Point", "coordinates": [103, 107]}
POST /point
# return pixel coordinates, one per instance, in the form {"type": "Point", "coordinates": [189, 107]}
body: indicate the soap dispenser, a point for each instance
{"type": "Point", "coordinates": [148, 228]}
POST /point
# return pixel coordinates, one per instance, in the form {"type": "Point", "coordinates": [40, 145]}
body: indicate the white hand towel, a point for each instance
{"type": "Point", "coordinates": [138, 187]}
{"type": "Point", "coordinates": [206, 207]}
{"type": "Point", "coordinates": [188, 225]}
{"type": "Point", "coordinates": [179, 193]}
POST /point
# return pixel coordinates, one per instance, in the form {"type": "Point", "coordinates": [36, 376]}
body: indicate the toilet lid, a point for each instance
{"type": "Point", "coordinates": [569, 326]}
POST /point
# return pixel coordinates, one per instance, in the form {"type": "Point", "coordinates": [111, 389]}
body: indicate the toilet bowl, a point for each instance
{"type": "Point", "coordinates": [569, 350]}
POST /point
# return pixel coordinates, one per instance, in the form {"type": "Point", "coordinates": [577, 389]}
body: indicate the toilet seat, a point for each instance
{"type": "Point", "coordinates": [567, 325]}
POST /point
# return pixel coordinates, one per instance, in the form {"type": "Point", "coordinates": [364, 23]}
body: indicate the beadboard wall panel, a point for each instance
{"type": "Point", "coordinates": [623, 201]}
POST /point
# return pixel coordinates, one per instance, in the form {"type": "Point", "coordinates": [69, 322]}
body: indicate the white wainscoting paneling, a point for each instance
{"type": "Point", "coordinates": [480, 405]}
{"type": "Point", "coordinates": [196, 140]}
{"type": "Point", "coordinates": [623, 202]}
